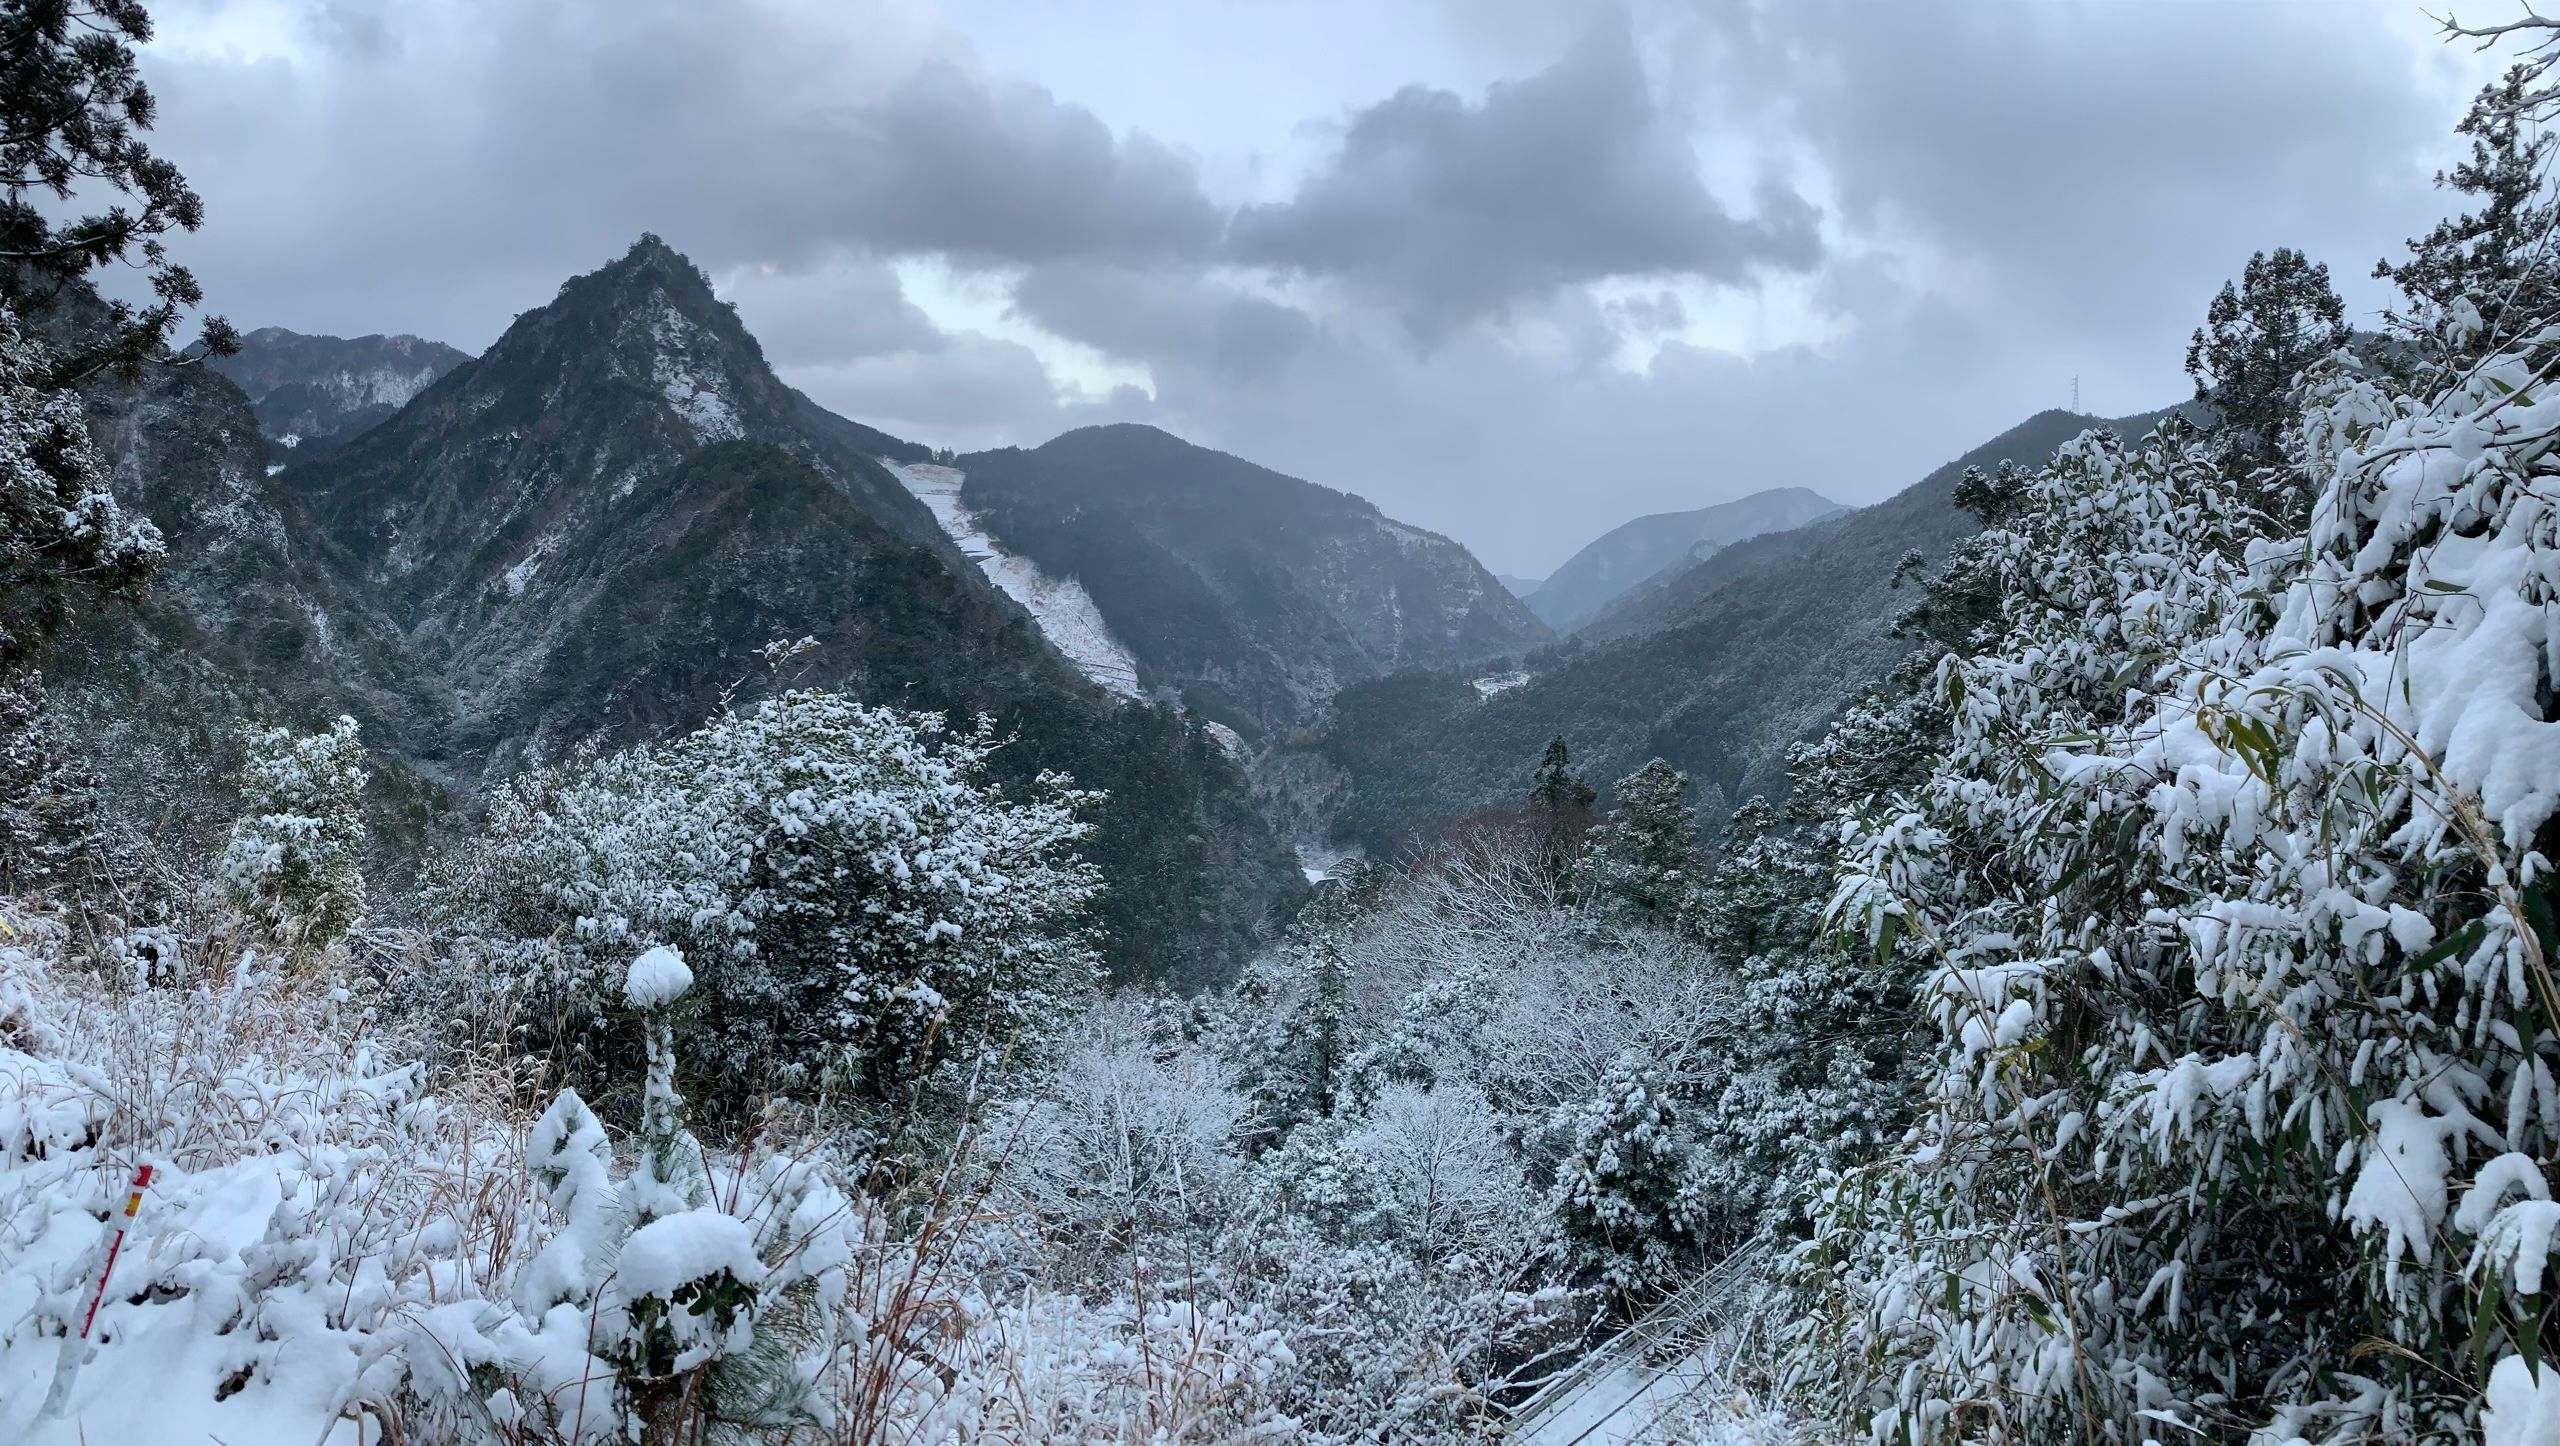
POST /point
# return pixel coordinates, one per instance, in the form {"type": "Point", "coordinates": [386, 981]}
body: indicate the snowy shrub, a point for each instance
{"type": "Point", "coordinates": [294, 860]}
{"type": "Point", "coordinates": [857, 902]}
{"type": "Point", "coordinates": [325, 1240]}
{"type": "Point", "coordinates": [1132, 1137]}
{"type": "Point", "coordinates": [2233, 886]}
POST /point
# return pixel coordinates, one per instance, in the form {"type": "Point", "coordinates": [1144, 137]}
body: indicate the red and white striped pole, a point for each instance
{"type": "Point", "coordinates": [132, 1206]}
{"type": "Point", "coordinates": [75, 1349]}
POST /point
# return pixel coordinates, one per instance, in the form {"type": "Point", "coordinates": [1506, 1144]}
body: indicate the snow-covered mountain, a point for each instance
{"type": "Point", "coordinates": [1064, 610]}
{"type": "Point", "coordinates": [592, 531]}
{"type": "Point", "coordinates": [314, 392]}
{"type": "Point", "coordinates": [1627, 555]}
{"type": "Point", "coordinates": [1250, 596]}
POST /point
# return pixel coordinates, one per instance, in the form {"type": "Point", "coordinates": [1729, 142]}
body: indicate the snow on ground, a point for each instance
{"type": "Point", "coordinates": [1493, 684]}
{"type": "Point", "coordinates": [1060, 605]}
{"type": "Point", "coordinates": [1320, 862]}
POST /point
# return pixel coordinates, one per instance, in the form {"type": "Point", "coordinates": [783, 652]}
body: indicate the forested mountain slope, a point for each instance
{"type": "Point", "coordinates": [1719, 667]}
{"type": "Point", "coordinates": [1250, 595]}
{"type": "Point", "coordinates": [1627, 555]}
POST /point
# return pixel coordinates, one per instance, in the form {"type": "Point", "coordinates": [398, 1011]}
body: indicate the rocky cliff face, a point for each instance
{"type": "Point", "coordinates": [316, 391]}
{"type": "Point", "coordinates": [589, 533]}
{"type": "Point", "coordinates": [1251, 596]}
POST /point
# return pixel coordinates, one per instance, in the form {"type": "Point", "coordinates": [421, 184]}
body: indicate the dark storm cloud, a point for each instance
{"type": "Point", "coordinates": [951, 163]}
{"type": "Point", "coordinates": [1452, 211]}
{"type": "Point", "coordinates": [2012, 195]}
{"type": "Point", "coordinates": [526, 142]}
{"type": "Point", "coordinates": [1166, 318]}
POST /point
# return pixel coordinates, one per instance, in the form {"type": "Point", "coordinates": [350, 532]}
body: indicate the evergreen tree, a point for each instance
{"type": "Point", "coordinates": [1560, 807]}
{"type": "Point", "coordinates": [72, 112]}
{"type": "Point", "coordinates": [1644, 861]}
{"type": "Point", "coordinates": [54, 831]}
{"type": "Point", "coordinates": [858, 904]}
{"type": "Point", "coordinates": [1290, 1035]}
{"type": "Point", "coordinates": [64, 542]}
{"type": "Point", "coordinates": [2494, 260]}
{"type": "Point", "coordinates": [1624, 1197]}
{"type": "Point", "coordinates": [2256, 341]}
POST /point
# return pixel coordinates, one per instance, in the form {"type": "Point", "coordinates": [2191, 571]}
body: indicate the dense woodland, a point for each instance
{"type": "Point", "coordinates": [2125, 1013]}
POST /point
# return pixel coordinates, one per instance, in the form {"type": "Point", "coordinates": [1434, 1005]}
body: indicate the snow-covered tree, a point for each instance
{"type": "Point", "coordinates": [1447, 1183]}
{"type": "Point", "coordinates": [54, 827]}
{"type": "Point", "coordinates": [294, 861]}
{"type": "Point", "coordinates": [1644, 860]}
{"type": "Point", "coordinates": [1626, 1195]}
{"type": "Point", "coordinates": [856, 901]}
{"type": "Point", "coordinates": [2493, 260]}
{"type": "Point", "coordinates": [63, 540]}
{"type": "Point", "coordinates": [1130, 1140]}
{"type": "Point", "coordinates": [2255, 341]}
{"type": "Point", "coordinates": [2233, 884]}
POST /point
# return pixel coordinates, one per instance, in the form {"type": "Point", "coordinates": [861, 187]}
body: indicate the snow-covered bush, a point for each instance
{"type": "Point", "coordinates": [1130, 1141]}
{"type": "Point", "coordinates": [326, 1239]}
{"type": "Point", "coordinates": [856, 901]}
{"type": "Point", "coordinates": [294, 861]}
{"type": "Point", "coordinates": [2233, 884]}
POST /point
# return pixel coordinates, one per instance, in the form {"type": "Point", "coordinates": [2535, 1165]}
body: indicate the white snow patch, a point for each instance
{"type": "Point", "coordinates": [694, 391]}
{"type": "Point", "coordinates": [658, 976]}
{"type": "Point", "coordinates": [289, 439]}
{"type": "Point", "coordinates": [664, 1256]}
{"type": "Point", "coordinates": [1493, 684]}
{"type": "Point", "coordinates": [274, 467]}
{"type": "Point", "coordinates": [1228, 738]}
{"type": "Point", "coordinates": [516, 577]}
{"type": "Point", "coordinates": [1320, 862]}
{"type": "Point", "coordinates": [1065, 612]}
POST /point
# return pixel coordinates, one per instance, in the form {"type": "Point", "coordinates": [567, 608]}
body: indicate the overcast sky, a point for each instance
{"type": "Point", "coordinates": [1516, 270]}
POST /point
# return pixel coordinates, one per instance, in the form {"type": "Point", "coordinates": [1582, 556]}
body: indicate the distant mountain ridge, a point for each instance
{"type": "Point", "coordinates": [1628, 555]}
{"type": "Point", "coordinates": [316, 391]}
{"type": "Point", "coordinates": [1250, 595]}
{"type": "Point", "coordinates": [1718, 667]}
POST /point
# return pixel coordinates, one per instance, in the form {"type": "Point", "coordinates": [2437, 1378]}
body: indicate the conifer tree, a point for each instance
{"type": "Point", "coordinates": [1623, 1195]}
{"type": "Point", "coordinates": [72, 112]}
{"type": "Point", "coordinates": [294, 859]}
{"type": "Point", "coordinates": [1644, 861]}
{"type": "Point", "coordinates": [2495, 259]}
{"type": "Point", "coordinates": [1560, 807]}
{"type": "Point", "coordinates": [2256, 340]}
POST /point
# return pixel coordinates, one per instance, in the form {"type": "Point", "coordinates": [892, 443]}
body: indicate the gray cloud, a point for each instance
{"type": "Point", "coordinates": [969, 392]}
{"type": "Point", "coordinates": [980, 171]}
{"type": "Point", "coordinates": [2014, 194]}
{"type": "Point", "coordinates": [1454, 211]}
{"type": "Point", "coordinates": [497, 147]}
{"type": "Point", "coordinates": [843, 309]}
{"type": "Point", "coordinates": [1163, 317]}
